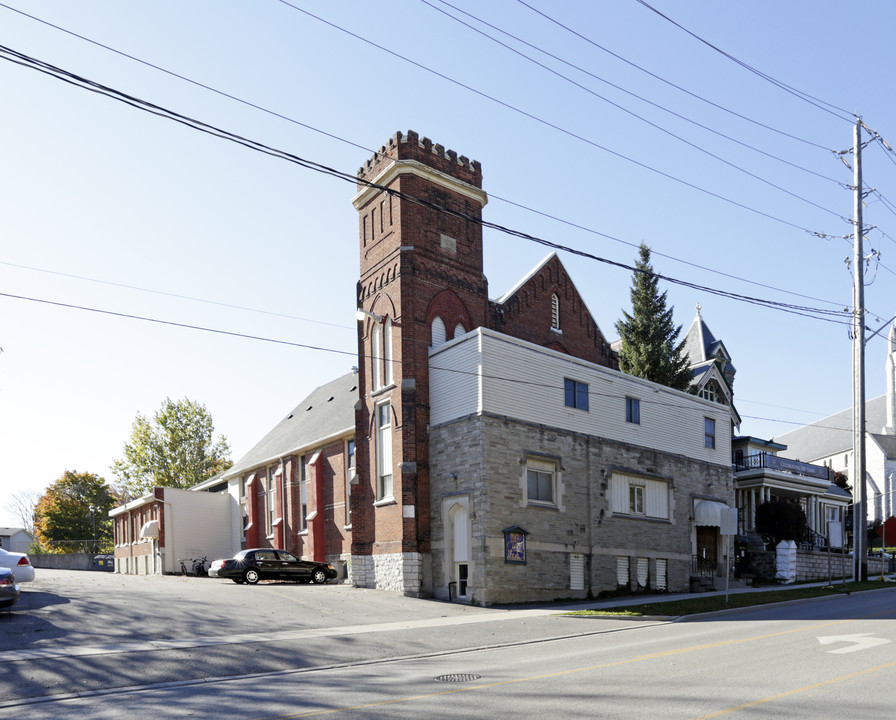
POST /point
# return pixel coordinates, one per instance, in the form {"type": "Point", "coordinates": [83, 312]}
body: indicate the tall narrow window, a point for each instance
{"type": "Point", "coordinates": [438, 332]}
{"type": "Point", "coordinates": [384, 450]}
{"type": "Point", "coordinates": [709, 432]}
{"type": "Point", "coordinates": [555, 312]}
{"type": "Point", "coordinates": [303, 493]}
{"type": "Point", "coordinates": [387, 351]}
{"type": "Point", "coordinates": [349, 476]}
{"type": "Point", "coordinates": [636, 499]}
{"type": "Point", "coordinates": [273, 476]}
{"type": "Point", "coordinates": [376, 355]}
{"type": "Point", "coordinates": [633, 410]}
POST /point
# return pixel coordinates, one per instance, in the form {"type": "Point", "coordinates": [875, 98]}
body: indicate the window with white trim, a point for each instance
{"type": "Point", "coordinates": [555, 312]}
{"type": "Point", "coordinates": [349, 477]}
{"type": "Point", "coordinates": [541, 482]}
{"type": "Point", "coordinates": [384, 451]}
{"type": "Point", "coordinates": [438, 332]}
{"type": "Point", "coordinates": [387, 352]}
{"type": "Point", "coordinates": [637, 496]}
{"type": "Point", "coordinates": [376, 353]}
{"type": "Point", "coordinates": [636, 499]}
{"type": "Point", "coordinates": [303, 493]}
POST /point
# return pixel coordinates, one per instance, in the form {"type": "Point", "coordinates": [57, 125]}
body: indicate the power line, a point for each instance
{"type": "Point", "coordinates": [353, 353]}
{"type": "Point", "coordinates": [667, 82]}
{"type": "Point", "coordinates": [172, 295]}
{"type": "Point", "coordinates": [78, 81]}
{"type": "Point", "coordinates": [615, 86]}
{"type": "Point", "coordinates": [370, 150]}
{"type": "Point", "coordinates": [784, 86]}
{"type": "Point", "coordinates": [633, 114]}
{"type": "Point", "coordinates": [549, 124]}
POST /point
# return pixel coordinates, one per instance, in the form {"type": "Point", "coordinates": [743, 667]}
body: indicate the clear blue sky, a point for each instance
{"type": "Point", "coordinates": [107, 207]}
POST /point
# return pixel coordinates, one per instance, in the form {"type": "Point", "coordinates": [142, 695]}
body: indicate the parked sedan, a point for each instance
{"type": "Point", "coordinates": [250, 566]}
{"type": "Point", "coordinates": [18, 563]}
{"type": "Point", "coordinates": [9, 591]}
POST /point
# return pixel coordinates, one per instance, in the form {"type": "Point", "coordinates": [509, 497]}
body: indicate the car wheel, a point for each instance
{"type": "Point", "coordinates": [318, 576]}
{"type": "Point", "coordinates": [251, 576]}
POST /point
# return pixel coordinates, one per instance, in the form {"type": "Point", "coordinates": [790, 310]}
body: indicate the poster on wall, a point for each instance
{"type": "Point", "coordinates": [515, 545]}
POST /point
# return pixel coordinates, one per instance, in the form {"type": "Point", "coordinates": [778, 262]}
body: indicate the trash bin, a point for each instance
{"type": "Point", "coordinates": [104, 562]}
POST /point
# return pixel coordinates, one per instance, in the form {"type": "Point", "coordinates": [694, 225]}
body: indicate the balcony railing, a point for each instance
{"type": "Point", "coordinates": [773, 462]}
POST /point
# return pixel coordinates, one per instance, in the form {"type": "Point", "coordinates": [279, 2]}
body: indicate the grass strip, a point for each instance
{"type": "Point", "coordinates": [713, 603]}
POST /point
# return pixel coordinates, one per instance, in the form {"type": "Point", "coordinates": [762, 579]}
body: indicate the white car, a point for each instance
{"type": "Point", "coordinates": [19, 564]}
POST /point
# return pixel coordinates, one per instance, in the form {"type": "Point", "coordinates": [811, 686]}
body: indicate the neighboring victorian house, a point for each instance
{"type": "Point", "coordinates": [829, 442]}
{"type": "Point", "coordinates": [502, 456]}
{"type": "Point", "coordinates": [762, 475]}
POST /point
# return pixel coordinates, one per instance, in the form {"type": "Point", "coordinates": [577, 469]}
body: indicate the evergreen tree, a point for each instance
{"type": "Point", "coordinates": [650, 346]}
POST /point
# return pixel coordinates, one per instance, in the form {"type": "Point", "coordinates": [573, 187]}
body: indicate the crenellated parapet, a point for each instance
{"type": "Point", "coordinates": [411, 146]}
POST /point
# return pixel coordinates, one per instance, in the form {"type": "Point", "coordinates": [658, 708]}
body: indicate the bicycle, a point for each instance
{"type": "Point", "coordinates": [197, 569]}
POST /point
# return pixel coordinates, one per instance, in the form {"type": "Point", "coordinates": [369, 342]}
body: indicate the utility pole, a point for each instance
{"type": "Point", "coordinates": [860, 511]}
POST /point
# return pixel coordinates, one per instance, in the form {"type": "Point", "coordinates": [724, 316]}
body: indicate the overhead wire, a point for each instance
{"type": "Point", "coordinates": [549, 124]}
{"type": "Point", "coordinates": [78, 81]}
{"type": "Point", "coordinates": [370, 150]}
{"type": "Point", "coordinates": [633, 114]}
{"type": "Point", "coordinates": [349, 353]}
{"type": "Point", "coordinates": [806, 97]}
{"type": "Point", "coordinates": [171, 294]}
{"type": "Point", "coordinates": [669, 83]}
{"type": "Point", "coordinates": [624, 90]}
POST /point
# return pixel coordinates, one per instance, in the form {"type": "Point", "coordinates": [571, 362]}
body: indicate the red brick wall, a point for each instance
{"type": "Point", "coordinates": [410, 255]}
{"type": "Point", "coordinates": [527, 315]}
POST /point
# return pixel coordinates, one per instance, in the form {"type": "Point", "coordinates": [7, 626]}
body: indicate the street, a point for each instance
{"type": "Point", "coordinates": [108, 646]}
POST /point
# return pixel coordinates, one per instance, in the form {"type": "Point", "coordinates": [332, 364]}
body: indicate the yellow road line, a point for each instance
{"type": "Point", "coordinates": [602, 666]}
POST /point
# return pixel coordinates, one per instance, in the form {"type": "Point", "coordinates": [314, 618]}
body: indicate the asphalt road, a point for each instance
{"type": "Point", "coordinates": [104, 646]}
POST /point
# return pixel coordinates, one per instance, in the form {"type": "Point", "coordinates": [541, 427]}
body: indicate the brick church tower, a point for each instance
{"type": "Point", "coordinates": [421, 282]}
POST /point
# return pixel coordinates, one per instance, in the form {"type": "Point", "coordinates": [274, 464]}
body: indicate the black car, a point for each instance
{"type": "Point", "coordinates": [250, 566]}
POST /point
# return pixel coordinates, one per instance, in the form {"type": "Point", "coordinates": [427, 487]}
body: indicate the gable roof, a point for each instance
{"type": "Point", "coordinates": [832, 434]}
{"type": "Point", "coordinates": [526, 278]}
{"type": "Point", "coordinates": [328, 412]}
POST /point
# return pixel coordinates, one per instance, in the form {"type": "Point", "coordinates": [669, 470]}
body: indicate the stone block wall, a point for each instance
{"type": "Point", "coordinates": [484, 458]}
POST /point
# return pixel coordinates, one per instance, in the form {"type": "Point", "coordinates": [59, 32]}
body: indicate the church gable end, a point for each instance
{"type": "Point", "coordinates": [546, 309]}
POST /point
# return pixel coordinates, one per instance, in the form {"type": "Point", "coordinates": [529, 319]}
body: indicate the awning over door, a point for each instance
{"type": "Point", "coordinates": [150, 529]}
{"type": "Point", "coordinates": [709, 512]}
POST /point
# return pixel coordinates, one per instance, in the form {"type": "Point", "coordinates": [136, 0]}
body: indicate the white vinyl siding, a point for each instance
{"type": "Point", "coordinates": [655, 496]}
{"type": "Point", "coordinates": [485, 371]}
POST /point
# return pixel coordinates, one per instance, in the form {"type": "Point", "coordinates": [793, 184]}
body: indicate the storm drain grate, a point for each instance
{"type": "Point", "coordinates": [458, 677]}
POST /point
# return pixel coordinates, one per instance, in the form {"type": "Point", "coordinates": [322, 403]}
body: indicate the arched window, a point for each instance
{"type": "Point", "coordinates": [387, 351]}
{"type": "Point", "coordinates": [459, 330]}
{"type": "Point", "coordinates": [376, 355]}
{"type": "Point", "coordinates": [438, 332]}
{"type": "Point", "coordinates": [555, 312]}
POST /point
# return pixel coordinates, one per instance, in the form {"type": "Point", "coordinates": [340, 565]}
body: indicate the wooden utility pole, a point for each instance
{"type": "Point", "coordinates": [860, 509]}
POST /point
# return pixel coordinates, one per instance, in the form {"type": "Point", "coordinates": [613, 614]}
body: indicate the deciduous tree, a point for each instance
{"type": "Point", "coordinates": [176, 449]}
{"type": "Point", "coordinates": [73, 514]}
{"type": "Point", "coordinates": [650, 346]}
